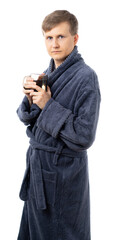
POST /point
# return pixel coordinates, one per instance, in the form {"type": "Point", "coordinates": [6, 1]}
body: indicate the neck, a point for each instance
{"type": "Point", "coordinates": [58, 63]}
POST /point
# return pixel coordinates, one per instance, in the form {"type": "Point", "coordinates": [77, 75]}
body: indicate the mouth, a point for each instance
{"type": "Point", "coordinates": [56, 51]}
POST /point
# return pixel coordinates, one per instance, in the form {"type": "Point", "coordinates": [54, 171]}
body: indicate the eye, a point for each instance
{"type": "Point", "coordinates": [49, 38]}
{"type": "Point", "coordinates": [60, 37]}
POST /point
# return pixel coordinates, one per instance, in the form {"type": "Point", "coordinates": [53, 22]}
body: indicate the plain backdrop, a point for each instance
{"type": "Point", "coordinates": [22, 51]}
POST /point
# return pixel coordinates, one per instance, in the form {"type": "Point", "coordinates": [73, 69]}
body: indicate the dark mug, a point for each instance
{"type": "Point", "coordinates": [40, 79]}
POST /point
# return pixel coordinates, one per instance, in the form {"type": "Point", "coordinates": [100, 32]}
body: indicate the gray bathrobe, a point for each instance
{"type": "Point", "coordinates": [55, 187]}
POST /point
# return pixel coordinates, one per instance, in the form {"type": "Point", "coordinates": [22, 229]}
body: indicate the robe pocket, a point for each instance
{"type": "Point", "coordinates": [45, 186]}
{"type": "Point", "coordinates": [49, 183]}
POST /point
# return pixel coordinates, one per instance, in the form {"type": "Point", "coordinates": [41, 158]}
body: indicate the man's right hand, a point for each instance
{"type": "Point", "coordinates": [28, 87]}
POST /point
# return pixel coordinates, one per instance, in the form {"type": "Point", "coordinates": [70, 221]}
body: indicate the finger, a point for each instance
{"type": "Point", "coordinates": [29, 85]}
{"type": "Point", "coordinates": [27, 91]}
{"type": "Point", "coordinates": [48, 89]}
{"type": "Point", "coordinates": [27, 79]}
{"type": "Point", "coordinates": [34, 99]}
{"type": "Point", "coordinates": [33, 93]}
{"type": "Point", "coordinates": [39, 89]}
{"type": "Point", "coordinates": [36, 94]}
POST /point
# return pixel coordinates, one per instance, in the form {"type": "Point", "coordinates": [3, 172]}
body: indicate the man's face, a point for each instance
{"type": "Point", "coordinates": [59, 42]}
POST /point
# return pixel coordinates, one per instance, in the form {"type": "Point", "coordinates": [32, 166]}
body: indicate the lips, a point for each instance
{"type": "Point", "coordinates": [56, 51]}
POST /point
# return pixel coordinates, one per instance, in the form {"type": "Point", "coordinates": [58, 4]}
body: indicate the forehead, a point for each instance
{"type": "Point", "coordinates": [61, 28]}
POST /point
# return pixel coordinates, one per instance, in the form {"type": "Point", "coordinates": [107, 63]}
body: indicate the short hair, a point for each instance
{"type": "Point", "coordinates": [59, 16]}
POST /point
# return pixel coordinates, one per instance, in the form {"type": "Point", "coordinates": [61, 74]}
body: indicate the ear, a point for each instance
{"type": "Point", "coordinates": [76, 39]}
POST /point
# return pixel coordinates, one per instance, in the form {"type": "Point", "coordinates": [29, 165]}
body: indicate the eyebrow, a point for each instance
{"type": "Point", "coordinates": [56, 35]}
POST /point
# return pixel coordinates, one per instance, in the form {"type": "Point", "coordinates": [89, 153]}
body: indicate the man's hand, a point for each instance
{"type": "Point", "coordinates": [41, 97]}
{"type": "Point", "coordinates": [28, 87]}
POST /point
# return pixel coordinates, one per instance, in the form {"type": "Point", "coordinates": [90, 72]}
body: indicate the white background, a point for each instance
{"type": "Point", "coordinates": [22, 51]}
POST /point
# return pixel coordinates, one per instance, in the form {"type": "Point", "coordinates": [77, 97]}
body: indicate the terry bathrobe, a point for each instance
{"type": "Point", "coordinates": [55, 187]}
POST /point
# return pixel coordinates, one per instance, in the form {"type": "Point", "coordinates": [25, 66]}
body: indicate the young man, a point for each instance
{"type": "Point", "coordinates": [61, 126]}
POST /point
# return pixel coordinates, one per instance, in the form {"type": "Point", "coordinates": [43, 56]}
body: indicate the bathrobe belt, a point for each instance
{"type": "Point", "coordinates": [38, 186]}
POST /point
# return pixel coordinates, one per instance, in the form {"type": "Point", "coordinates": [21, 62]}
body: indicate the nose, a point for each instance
{"type": "Point", "coordinates": [55, 43]}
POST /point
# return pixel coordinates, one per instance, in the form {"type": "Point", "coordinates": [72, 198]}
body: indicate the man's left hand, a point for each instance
{"type": "Point", "coordinates": [41, 97]}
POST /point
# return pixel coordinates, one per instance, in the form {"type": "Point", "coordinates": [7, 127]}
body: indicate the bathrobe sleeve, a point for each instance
{"type": "Point", "coordinates": [28, 114]}
{"type": "Point", "coordinates": [77, 129]}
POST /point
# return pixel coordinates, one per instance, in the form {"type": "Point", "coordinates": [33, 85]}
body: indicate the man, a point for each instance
{"type": "Point", "coordinates": [61, 126]}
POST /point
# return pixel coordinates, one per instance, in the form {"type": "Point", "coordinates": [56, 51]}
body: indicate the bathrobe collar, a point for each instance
{"type": "Point", "coordinates": [53, 73]}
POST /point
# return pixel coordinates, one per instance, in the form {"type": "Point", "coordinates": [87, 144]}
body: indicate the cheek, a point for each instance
{"type": "Point", "coordinates": [71, 45]}
{"type": "Point", "coordinates": [47, 45]}
{"type": "Point", "coordinates": [69, 48]}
